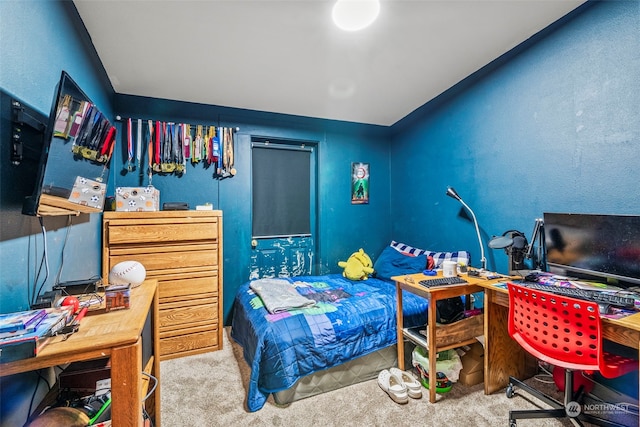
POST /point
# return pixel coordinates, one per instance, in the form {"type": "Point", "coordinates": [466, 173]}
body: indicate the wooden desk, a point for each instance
{"type": "Point", "coordinates": [504, 357]}
{"type": "Point", "coordinates": [411, 283]}
{"type": "Point", "coordinates": [115, 335]}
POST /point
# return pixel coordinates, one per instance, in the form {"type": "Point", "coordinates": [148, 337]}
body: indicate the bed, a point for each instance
{"type": "Point", "coordinates": [351, 329]}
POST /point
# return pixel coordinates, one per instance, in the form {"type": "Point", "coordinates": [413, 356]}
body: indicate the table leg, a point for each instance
{"type": "Point", "coordinates": [503, 356]}
{"type": "Point", "coordinates": [126, 383]}
{"type": "Point", "coordinates": [400, 325]}
{"type": "Point", "coordinates": [433, 354]}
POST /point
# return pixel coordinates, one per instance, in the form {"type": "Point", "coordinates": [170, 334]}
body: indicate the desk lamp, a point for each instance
{"type": "Point", "coordinates": [451, 192]}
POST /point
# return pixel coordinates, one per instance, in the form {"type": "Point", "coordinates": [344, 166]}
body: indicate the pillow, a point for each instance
{"type": "Point", "coordinates": [406, 249]}
{"type": "Point", "coordinates": [438, 257]}
{"type": "Point", "coordinates": [394, 263]}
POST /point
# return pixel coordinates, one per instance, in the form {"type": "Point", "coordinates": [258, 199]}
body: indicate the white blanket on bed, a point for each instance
{"type": "Point", "coordinates": [279, 295]}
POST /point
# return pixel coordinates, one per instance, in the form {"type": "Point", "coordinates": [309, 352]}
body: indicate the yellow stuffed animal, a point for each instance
{"type": "Point", "coordinates": [357, 267]}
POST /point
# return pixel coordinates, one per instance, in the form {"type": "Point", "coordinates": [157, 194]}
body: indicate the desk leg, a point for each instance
{"type": "Point", "coordinates": [399, 326]}
{"type": "Point", "coordinates": [502, 355]}
{"type": "Point", "coordinates": [433, 354]}
{"type": "Point", "coordinates": [156, 358]}
{"type": "Point", "coordinates": [126, 383]}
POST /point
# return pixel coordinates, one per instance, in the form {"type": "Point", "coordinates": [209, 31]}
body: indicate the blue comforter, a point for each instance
{"type": "Point", "coordinates": [350, 319]}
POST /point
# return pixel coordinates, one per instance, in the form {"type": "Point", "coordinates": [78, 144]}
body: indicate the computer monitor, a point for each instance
{"type": "Point", "coordinates": [603, 248]}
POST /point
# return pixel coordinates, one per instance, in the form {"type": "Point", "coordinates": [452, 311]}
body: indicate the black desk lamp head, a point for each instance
{"type": "Point", "coordinates": [451, 192]}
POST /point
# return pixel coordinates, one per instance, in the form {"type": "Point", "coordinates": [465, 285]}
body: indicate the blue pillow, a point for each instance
{"type": "Point", "coordinates": [393, 263]}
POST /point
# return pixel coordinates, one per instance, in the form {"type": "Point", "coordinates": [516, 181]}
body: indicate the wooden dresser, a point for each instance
{"type": "Point", "coordinates": [183, 251]}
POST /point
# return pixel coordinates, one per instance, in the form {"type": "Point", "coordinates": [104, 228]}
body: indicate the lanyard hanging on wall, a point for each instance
{"type": "Point", "coordinates": [150, 151]}
{"type": "Point", "coordinates": [129, 145]}
{"type": "Point", "coordinates": [169, 145]}
{"type": "Point", "coordinates": [139, 144]}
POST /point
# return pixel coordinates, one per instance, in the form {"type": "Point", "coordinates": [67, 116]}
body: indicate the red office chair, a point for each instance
{"type": "Point", "coordinates": [566, 333]}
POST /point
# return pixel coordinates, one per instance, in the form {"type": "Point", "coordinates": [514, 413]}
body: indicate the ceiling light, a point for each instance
{"type": "Point", "coordinates": [354, 15]}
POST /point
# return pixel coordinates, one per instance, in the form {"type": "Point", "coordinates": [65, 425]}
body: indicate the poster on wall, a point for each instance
{"type": "Point", "coordinates": [359, 183]}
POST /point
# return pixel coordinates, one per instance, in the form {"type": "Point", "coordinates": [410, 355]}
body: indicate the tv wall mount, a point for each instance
{"type": "Point", "coordinates": [22, 116]}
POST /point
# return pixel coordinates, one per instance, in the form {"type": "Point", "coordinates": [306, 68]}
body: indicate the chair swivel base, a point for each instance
{"type": "Point", "coordinates": [557, 410]}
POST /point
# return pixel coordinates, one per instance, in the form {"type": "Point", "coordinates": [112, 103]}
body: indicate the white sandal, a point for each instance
{"type": "Point", "coordinates": [393, 386]}
{"type": "Point", "coordinates": [414, 388]}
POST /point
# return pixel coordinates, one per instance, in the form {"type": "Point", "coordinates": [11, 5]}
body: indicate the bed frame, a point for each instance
{"type": "Point", "coordinates": [353, 372]}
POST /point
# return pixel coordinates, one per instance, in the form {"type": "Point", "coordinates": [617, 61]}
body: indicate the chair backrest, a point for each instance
{"type": "Point", "coordinates": [560, 330]}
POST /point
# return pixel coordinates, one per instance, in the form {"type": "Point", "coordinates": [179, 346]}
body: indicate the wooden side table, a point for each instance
{"type": "Point", "coordinates": [439, 337]}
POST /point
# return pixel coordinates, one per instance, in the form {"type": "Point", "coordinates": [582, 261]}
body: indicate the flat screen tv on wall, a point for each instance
{"type": "Point", "coordinates": [74, 163]}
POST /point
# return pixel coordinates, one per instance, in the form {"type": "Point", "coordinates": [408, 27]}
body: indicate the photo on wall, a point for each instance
{"type": "Point", "coordinates": [359, 183]}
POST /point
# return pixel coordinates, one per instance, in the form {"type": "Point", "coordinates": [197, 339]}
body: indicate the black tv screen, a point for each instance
{"type": "Point", "coordinates": [74, 163]}
{"type": "Point", "coordinates": [593, 246]}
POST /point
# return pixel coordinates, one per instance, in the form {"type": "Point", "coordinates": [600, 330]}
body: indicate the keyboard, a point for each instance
{"type": "Point", "coordinates": [442, 281]}
{"type": "Point", "coordinates": [600, 297]}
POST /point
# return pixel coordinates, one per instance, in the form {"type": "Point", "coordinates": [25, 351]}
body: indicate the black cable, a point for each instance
{"type": "Point", "coordinates": [29, 273]}
{"type": "Point", "coordinates": [43, 262]}
{"type": "Point", "coordinates": [35, 391]}
{"type": "Point", "coordinates": [146, 416]}
{"type": "Point", "coordinates": [36, 270]}
{"type": "Point", "coordinates": [64, 245]}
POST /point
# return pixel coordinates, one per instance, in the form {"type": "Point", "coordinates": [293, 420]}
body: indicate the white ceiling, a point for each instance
{"type": "Point", "coordinates": [288, 57]}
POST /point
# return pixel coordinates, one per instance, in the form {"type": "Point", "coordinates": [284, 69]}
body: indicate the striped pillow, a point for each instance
{"type": "Point", "coordinates": [438, 257]}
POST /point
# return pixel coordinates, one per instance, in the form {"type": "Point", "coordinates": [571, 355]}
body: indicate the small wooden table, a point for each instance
{"type": "Point", "coordinates": [440, 337]}
{"type": "Point", "coordinates": [116, 335]}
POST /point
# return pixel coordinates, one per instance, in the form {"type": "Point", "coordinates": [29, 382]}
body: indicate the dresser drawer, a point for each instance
{"type": "Point", "coordinates": [188, 343]}
{"type": "Point", "coordinates": [169, 260]}
{"type": "Point", "coordinates": [176, 290]}
{"type": "Point", "coordinates": [176, 318]}
{"type": "Point", "coordinates": [176, 232]}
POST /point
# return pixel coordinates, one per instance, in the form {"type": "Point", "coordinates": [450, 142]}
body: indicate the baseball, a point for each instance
{"type": "Point", "coordinates": [127, 272]}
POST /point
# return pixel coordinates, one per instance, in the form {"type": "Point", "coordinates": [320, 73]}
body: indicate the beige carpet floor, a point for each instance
{"type": "Point", "coordinates": [210, 390]}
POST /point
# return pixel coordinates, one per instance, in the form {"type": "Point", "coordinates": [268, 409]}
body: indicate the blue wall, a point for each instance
{"type": "Point", "coordinates": [39, 39]}
{"type": "Point", "coordinates": [342, 227]}
{"type": "Point", "coordinates": [556, 127]}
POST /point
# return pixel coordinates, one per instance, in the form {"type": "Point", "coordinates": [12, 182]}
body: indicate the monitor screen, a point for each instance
{"type": "Point", "coordinates": [594, 247]}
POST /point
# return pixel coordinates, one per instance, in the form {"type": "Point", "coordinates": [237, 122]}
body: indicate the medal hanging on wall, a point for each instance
{"type": "Point", "coordinates": [197, 145]}
{"type": "Point", "coordinates": [129, 166]}
{"type": "Point", "coordinates": [215, 150]}
{"type": "Point", "coordinates": [157, 147]}
{"type": "Point", "coordinates": [225, 168]}
{"type": "Point", "coordinates": [167, 165]}
{"type": "Point", "coordinates": [139, 145]}
{"type": "Point", "coordinates": [169, 145]}
{"type": "Point", "coordinates": [179, 149]}
{"type": "Point", "coordinates": [186, 145]}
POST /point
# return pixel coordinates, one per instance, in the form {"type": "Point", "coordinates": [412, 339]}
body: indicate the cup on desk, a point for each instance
{"type": "Point", "coordinates": [449, 268]}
